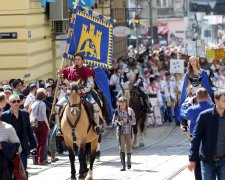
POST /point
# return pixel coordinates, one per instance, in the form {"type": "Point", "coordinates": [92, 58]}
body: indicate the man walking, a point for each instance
{"type": "Point", "coordinates": [210, 133]}
{"type": "Point", "coordinates": [20, 120]}
{"type": "Point", "coordinates": [191, 111]}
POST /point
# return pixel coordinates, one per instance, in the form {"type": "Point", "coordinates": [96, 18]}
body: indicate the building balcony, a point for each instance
{"type": "Point", "coordinates": [168, 12]}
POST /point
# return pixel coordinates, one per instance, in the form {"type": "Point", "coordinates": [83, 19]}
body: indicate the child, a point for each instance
{"type": "Point", "coordinates": [124, 118]}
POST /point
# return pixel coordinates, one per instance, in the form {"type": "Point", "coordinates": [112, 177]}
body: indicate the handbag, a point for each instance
{"type": "Point", "coordinates": [33, 120]}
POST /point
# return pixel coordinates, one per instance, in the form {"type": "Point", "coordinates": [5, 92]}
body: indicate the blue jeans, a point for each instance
{"type": "Point", "coordinates": [213, 170]}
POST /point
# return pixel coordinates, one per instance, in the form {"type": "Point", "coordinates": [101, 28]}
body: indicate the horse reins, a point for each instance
{"type": "Point", "coordinates": [73, 126]}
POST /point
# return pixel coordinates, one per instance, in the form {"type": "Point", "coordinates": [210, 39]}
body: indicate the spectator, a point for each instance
{"type": "Point", "coordinates": [52, 133]}
{"type": "Point", "coordinates": [20, 120]}
{"type": "Point", "coordinates": [209, 132]}
{"type": "Point", "coordinates": [38, 110]}
{"type": "Point", "coordinates": [8, 93]}
{"type": "Point", "coordinates": [191, 111]}
{"type": "Point", "coordinates": [41, 84]}
{"type": "Point", "coordinates": [115, 86]}
{"type": "Point", "coordinates": [17, 87]}
{"type": "Point", "coordinates": [31, 97]}
{"type": "Point", "coordinates": [9, 145]}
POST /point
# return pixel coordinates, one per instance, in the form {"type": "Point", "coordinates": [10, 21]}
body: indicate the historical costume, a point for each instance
{"type": "Point", "coordinates": [124, 119]}
{"type": "Point", "coordinates": [156, 102]}
{"type": "Point", "coordinates": [193, 79]}
{"type": "Point", "coordinates": [89, 91]}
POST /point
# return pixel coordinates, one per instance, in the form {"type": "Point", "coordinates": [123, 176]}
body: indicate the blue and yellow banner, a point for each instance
{"type": "Point", "coordinates": [91, 36]}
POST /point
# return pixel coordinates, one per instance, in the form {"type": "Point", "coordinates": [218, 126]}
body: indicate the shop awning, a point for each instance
{"type": "Point", "coordinates": [162, 30]}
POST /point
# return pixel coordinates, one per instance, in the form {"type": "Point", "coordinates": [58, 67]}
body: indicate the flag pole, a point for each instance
{"type": "Point", "coordinates": [61, 66]}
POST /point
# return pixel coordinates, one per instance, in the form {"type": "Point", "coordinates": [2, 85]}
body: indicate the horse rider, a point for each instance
{"type": "Point", "coordinates": [86, 74]}
{"type": "Point", "coordinates": [132, 73]}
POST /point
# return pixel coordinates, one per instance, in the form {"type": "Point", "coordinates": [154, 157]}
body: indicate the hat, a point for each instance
{"type": "Point", "coordinates": [156, 76]}
{"type": "Point", "coordinates": [122, 99]}
{"type": "Point", "coordinates": [202, 55]}
{"type": "Point", "coordinates": [22, 96]}
{"type": "Point", "coordinates": [32, 85]}
{"type": "Point", "coordinates": [152, 79]}
{"type": "Point", "coordinates": [7, 89]}
{"type": "Point", "coordinates": [47, 85]}
{"type": "Point", "coordinates": [40, 90]}
{"type": "Point", "coordinates": [146, 70]}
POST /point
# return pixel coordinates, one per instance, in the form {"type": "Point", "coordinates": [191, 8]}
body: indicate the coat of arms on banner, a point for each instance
{"type": "Point", "coordinates": [91, 36]}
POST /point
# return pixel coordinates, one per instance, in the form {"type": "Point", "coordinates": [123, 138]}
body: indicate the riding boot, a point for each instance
{"type": "Point", "coordinates": [128, 160]}
{"type": "Point", "coordinates": [98, 128]}
{"type": "Point", "coordinates": [122, 158]}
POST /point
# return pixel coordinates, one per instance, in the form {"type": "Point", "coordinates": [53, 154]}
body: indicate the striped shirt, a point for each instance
{"type": "Point", "coordinates": [8, 134]}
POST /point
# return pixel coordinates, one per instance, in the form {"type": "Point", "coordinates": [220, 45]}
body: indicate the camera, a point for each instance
{"type": "Point", "coordinates": [33, 152]}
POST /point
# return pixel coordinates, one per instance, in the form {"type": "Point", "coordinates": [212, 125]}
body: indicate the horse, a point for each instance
{"type": "Point", "coordinates": [136, 104]}
{"type": "Point", "coordinates": [77, 129]}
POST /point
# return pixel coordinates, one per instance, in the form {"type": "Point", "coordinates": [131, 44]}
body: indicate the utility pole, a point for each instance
{"type": "Point", "coordinates": [137, 25]}
{"type": "Point", "coordinates": [151, 23]}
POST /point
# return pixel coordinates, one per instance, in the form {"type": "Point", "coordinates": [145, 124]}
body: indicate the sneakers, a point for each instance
{"type": "Point", "coordinates": [98, 130]}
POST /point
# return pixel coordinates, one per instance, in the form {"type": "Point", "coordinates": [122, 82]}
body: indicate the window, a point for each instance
{"type": "Point", "coordinates": [164, 3]}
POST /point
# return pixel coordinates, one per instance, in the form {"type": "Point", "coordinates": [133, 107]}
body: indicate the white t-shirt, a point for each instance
{"type": "Point", "coordinates": [29, 100]}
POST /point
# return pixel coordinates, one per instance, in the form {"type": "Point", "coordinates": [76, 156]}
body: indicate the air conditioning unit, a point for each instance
{"type": "Point", "coordinates": [60, 27]}
{"type": "Point", "coordinates": [59, 10]}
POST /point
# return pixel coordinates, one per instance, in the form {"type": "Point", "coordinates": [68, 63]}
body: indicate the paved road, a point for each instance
{"type": "Point", "coordinates": [164, 154]}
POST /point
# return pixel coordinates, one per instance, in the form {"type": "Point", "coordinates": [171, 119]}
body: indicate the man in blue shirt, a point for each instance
{"type": "Point", "coordinates": [208, 140]}
{"type": "Point", "coordinates": [190, 111]}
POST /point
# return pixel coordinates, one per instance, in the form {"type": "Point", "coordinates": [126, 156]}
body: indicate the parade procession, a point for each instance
{"type": "Point", "coordinates": [112, 90]}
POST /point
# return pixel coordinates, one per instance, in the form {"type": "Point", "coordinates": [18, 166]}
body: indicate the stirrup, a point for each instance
{"type": "Point", "coordinates": [98, 130]}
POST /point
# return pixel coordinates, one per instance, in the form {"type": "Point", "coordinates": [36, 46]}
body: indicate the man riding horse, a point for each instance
{"type": "Point", "coordinates": [132, 75]}
{"type": "Point", "coordinates": [86, 74]}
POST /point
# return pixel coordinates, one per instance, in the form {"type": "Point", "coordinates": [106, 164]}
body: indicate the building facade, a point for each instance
{"type": "Point", "coordinates": [31, 48]}
{"type": "Point", "coordinates": [171, 21]}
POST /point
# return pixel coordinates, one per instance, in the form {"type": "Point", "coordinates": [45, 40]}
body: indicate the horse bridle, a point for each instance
{"type": "Point", "coordinates": [73, 126]}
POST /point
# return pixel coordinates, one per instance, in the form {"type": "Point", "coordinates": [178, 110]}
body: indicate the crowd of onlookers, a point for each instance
{"type": "Point", "coordinates": [162, 87]}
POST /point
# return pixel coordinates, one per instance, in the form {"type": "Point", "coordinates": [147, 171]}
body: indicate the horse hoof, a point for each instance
{"type": "Point", "coordinates": [81, 176]}
{"type": "Point", "coordinates": [88, 178]}
{"type": "Point", "coordinates": [141, 144]}
{"type": "Point", "coordinates": [73, 178]}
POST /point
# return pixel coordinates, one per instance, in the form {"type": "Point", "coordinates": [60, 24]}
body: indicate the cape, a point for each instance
{"type": "Point", "coordinates": [102, 82]}
{"type": "Point", "coordinates": [205, 82]}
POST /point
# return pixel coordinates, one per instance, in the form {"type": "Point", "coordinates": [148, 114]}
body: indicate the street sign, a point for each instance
{"type": "Point", "coordinates": [192, 48]}
{"type": "Point", "coordinates": [8, 35]}
{"type": "Point", "coordinates": [121, 31]}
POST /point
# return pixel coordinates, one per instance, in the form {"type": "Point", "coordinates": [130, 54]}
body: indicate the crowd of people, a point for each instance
{"type": "Point", "coordinates": [166, 97]}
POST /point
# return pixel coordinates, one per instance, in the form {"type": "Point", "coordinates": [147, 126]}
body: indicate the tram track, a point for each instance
{"type": "Point", "coordinates": [115, 148]}
{"type": "Point", "coordinates": [176, 173]}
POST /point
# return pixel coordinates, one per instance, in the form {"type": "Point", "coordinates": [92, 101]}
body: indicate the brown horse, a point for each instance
{"type": "Point", "coordinates": [136, 104]}
{"type": "Point", "coordinates": [78, 130]}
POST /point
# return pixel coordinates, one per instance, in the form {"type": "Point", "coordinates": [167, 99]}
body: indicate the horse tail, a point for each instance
{"type": "Point", "coordinates": [142, 122]}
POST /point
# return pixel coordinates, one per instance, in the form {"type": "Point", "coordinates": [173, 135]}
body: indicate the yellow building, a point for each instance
{"type": "Point", "coordinates": [29, 48]}
{"type": "Point", "coordinates": [26, 43]}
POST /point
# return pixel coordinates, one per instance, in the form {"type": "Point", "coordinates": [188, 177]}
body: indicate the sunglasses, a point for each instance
{"type": "Point", "coordinates": [15, 101]}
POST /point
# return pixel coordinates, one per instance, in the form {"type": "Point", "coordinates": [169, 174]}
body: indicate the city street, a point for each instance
{"type": "Point", "coordinates": [163, 157]}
